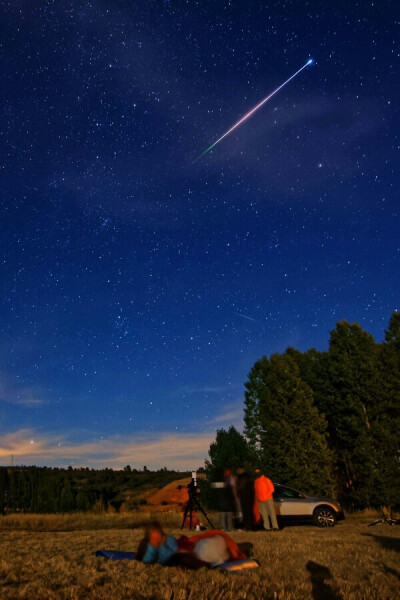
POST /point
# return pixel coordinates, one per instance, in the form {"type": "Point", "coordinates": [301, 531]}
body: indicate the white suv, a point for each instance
{"type": "Point", "coordinates": [290, 504]}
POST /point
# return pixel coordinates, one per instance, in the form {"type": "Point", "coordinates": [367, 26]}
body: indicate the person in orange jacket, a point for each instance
{"type": "Point", "coordinates": [263, 490]}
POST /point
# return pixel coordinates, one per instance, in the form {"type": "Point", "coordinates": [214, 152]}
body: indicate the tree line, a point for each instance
{"type": "Point", "coordinates": [324, 422]}
{"type": "Point", "coordinates": [54, 490]}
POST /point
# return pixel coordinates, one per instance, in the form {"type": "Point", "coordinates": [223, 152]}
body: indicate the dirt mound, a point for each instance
{"type": "Point", "coordinates": [172, 495]}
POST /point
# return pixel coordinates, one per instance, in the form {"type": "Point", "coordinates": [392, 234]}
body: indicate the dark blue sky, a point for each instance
{"type": "Point", "coordinates": [139, 287]}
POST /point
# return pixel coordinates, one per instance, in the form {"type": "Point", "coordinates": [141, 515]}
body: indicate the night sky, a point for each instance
{"type": "Point", "coordinates": [139, 285]}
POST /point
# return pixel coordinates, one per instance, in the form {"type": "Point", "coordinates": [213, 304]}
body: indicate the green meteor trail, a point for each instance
{"type": "Point", "coordinates": [253, 110]}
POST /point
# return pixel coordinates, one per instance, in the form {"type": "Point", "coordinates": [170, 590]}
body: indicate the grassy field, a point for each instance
{"type": "Point", "coordinates": [51, 557]}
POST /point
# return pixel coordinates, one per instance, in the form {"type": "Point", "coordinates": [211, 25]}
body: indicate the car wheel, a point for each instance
{"type": "Point", "coordinates": [324, 516]}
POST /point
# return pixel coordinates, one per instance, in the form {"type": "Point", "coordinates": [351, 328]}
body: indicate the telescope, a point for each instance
{"type": "Point", "coordinates": [193, 501]}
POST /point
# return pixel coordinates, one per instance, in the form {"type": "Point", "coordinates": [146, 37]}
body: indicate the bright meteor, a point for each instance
{"type": "Point", "coordinates": [259, 105]}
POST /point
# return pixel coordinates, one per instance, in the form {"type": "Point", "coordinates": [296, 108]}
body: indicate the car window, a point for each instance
{"type": "Point", "coordinates": [285, 492]}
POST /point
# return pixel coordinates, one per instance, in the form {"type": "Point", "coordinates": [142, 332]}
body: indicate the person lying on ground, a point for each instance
{"type": "Point", "coordinates": [203, 550]}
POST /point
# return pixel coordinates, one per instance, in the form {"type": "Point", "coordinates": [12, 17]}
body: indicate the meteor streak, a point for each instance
{"type": "Point", "coordinates": [253, 110]}
{"type": "Point", "coordinates": [244, 316]}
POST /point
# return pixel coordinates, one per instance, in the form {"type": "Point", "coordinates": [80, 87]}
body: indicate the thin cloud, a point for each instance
{"type": "Point", "coordinates": [284, 167]}
{"type": "Point", "coordinates": [180, 451]}
{"type": "Point", "coordinates": [209, 389]}
{"type": "Point", "coordinates": [14, 394]}
{"type": "Point", "coordinates": [231, 415]}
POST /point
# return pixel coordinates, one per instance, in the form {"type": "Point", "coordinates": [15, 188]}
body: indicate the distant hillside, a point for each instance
{"type": "Point", "coordinates": [53, 490]}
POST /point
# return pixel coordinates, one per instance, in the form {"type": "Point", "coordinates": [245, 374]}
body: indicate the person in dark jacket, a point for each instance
{"type": "Point", "coordinates": [225, 501]}
{"type": "Point", "coordinates": [245, 491]}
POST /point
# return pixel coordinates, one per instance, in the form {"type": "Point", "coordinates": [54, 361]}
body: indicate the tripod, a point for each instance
{"type": "Point", "coordinates": [193, 502]}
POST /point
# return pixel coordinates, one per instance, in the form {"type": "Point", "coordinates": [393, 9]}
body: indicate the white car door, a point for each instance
{"type": "Point", "coordinates": [289, 502]}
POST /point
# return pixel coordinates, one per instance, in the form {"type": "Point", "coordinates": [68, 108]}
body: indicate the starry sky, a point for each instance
{"type": "Point", "coordinates": [139, 285]}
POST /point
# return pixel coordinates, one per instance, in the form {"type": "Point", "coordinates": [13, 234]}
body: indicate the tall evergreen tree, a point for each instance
{"type": "Point", "coordinates": [291, 432]}
{"type": "Point", "coordinates": [230, 450]}
{"type": "Point", "coordinates": [386, 417]}
{"type": "Point", "coordinates": [256, 383]}
{"type": "Point", "coordinates": [313, 367]}
{"type": "Point", "coordinates": [351, 395]}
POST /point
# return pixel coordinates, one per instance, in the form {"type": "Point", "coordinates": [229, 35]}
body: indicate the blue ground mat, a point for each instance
{"type": "Point", "coordinates": [233, 565]}
{"type": "Point", "coordinates": [115, 554]}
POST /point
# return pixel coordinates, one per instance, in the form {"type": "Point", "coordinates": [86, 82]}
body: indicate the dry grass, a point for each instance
{"type": "Point", "coordinates": [85, 521]}
{"type": "Point", "coordinates": [351, 561]}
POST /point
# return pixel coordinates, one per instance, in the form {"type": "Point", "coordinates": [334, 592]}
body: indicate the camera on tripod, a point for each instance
{"type": "Point", "coordinates": [192, 485]}
{"type": "Point", "coordinates": [193, 503]}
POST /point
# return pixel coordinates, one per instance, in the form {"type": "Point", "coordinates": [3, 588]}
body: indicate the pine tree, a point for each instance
{"type": "Point", "coordinates": [313, 366]}
{"type": "Point", "coordinates": [351, 395]}
{"type": "Point", "coordinates": [67, 497]}
{"type": "Point", "coordinates": [293, 435]}
{"type": "Point", "coordinates": [386, 417]}
{"type": "Point", "coordinates": [230, 450]}
{"type": "Point", "coordinates": [254, 387]}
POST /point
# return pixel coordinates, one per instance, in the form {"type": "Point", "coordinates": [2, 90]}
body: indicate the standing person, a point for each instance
{"type": "Point", "coordinates": [263, 490]}
{"type": "Point", "coordinates": [232, 481]}
{"type": "Point", "coordinates": [225, 500]}
{"type": "Point", "coordinates": [245, 490]}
